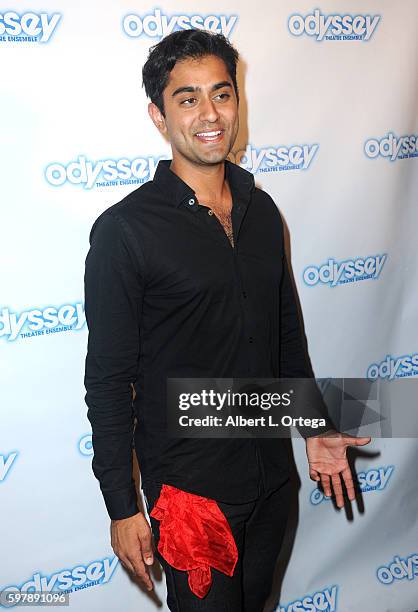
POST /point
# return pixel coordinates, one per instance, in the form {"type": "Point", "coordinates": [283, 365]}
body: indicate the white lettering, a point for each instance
{"type": "Point", "coordinates": [334, 26]}
{"type": "Point", "coordinates": [39, 26]}
{"type": "Point", "coordinates": [6, 464]}
{"type": "Point", "coordinates": [157, 24]}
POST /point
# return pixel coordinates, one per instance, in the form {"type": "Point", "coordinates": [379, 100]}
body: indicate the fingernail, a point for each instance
{"type": "Point", "coordinates": [149, 560]}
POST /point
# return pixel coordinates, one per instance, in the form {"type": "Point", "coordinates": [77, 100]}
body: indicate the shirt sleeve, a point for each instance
{"type": "Point", "coordinates": [113, 291]}
{"type": "Point", "coordinates": [295, 361]}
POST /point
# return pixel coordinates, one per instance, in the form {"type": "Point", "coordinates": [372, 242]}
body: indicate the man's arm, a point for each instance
{"type": "Point", "coordinates": [295, 362]}
{"type": "Point", "coordinates": [113, 296]}
{"type": "Point", "coordinates": [294, 359]}
{"type": "Point", "coordinates": [326, 449]}
{"type": "Point", "coordinates": [114, 286]}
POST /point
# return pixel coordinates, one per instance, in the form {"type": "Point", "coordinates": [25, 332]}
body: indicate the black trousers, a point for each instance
{"type": "Point", "coordinates": [258, 528]}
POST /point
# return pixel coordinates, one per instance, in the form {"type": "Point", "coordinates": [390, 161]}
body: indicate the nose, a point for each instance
{"type": "Point", "coordinates": [208, 110]}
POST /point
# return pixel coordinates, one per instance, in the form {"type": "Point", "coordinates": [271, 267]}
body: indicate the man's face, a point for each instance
{"type": "Point", "coordinates": [201, 111]}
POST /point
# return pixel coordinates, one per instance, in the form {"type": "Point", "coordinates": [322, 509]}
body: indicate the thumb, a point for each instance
{"type": "Point", "coordinates": [360, 441]}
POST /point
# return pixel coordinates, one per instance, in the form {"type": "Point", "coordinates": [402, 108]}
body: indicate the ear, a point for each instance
{"type": "Point", "coordinates": [157, 118]}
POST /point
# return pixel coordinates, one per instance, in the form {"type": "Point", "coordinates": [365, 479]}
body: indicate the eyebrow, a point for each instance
{"type": "Point", "coordinates": [191, 89]}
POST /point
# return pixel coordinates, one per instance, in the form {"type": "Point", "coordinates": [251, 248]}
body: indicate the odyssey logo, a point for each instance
{"type": "Point", "coordinates": [372, 480]}
{"type": "Point", "coordinates": [102, 173]}
{"type": "Point", "coordinates": [28, 27]}
{"type": "Point", "coordinates": [399, 569]}
{"type": "Point", "coordinates": [157, 24]}
{"type": "Point", "coordinates": [38, 322]}
{"type": "Point", "coordinates": [394, 367]}
{"type": "Point", "coordinates": [66, 580]}
{"type": "Point", "coordinates": [6, 464]}
{"type": "Point", "coordinates": [321, 601]}
{"type": "Point", "coordinates": [275, 159]}
{"type": "Point", "coordinates": [391, 147]}
{"type": "Point", "coordinates": [85, 445]}
{"type": "Point", "coordinates": [335, 272]}
{"type": "Point", "coordinates": [333, 27]}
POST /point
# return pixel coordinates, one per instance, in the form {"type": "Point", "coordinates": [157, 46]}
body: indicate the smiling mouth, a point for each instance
{"type": "Point", "coordinates": [210, 136]}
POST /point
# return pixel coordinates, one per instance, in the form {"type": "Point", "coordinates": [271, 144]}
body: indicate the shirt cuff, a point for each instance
{"type": "Point", "coordinates": [121, 504]}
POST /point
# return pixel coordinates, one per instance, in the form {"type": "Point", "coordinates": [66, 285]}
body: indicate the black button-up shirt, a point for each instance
{"type": "Point", "coordinates": [167, 295]}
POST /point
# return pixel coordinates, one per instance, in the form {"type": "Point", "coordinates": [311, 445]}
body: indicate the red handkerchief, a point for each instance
{"type": "Point", "coordinates": [194, 536]}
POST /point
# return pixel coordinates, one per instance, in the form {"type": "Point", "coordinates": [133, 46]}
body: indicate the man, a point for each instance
{"type": "Point", "coordinates": [187, 277]}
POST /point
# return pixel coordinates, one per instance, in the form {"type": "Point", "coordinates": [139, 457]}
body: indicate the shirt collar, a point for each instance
{"type": "Point", "coordinates": [240, 181]}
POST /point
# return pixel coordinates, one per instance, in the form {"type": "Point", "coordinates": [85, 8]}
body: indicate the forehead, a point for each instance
{"type": "Point", "coordinates": [205, 70]}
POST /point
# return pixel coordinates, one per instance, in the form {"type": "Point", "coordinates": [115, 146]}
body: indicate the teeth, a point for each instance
{"type": "Point", "coordinates": [210, 134]}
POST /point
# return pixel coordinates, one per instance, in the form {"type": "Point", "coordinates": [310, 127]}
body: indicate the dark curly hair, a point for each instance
{"type": "Point", "coordinates": [180, 45]}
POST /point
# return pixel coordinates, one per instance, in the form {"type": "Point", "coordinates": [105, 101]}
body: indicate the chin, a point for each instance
{"type": "Point", "coordinates": [216, 157]}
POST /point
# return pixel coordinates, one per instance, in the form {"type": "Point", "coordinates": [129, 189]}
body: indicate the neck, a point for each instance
{"type": "Point", "coordinates": [208, 182]}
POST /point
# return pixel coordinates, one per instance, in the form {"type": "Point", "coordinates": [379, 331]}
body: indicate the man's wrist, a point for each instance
{"type": "Point", "coordinates": [122, 503]}
{"type": "Point", "coordinates": [138, 512]}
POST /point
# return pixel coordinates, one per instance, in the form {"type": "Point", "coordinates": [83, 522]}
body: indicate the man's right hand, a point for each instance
{"type": "Point", "coordinates": [131, 540]}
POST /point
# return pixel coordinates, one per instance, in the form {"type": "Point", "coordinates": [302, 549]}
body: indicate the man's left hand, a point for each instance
{"type": "Point", "coordinates": [328, 462]}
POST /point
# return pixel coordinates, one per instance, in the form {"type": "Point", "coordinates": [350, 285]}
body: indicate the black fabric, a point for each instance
{"type": "Point", "coordinates": [166, 295]}
{"type": "Point", "coordinates": [258, 528]}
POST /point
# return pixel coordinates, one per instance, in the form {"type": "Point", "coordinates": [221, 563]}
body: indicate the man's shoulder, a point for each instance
{"type": "Point", "coordinates": [133, 202]}
{"type": "Point", "coordinates": [119, 216]}
{"type": "Point", "coordinates": [265, 200]}
{"type": "Point", "coordinates": [262, 197]}
{"type": "Point", "coordinates": [131, 205]}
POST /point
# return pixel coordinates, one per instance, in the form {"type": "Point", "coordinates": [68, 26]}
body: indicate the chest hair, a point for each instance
{"type": "Point", "coordinates": [225, 219]}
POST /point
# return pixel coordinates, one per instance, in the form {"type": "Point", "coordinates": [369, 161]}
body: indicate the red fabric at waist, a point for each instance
{"type": "Point", "coordinates": [194, 536]}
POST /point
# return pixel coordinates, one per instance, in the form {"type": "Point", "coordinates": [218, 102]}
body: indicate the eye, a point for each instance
{"type": "Point", "coordinates": [188, 101]}
{"type": "Point", "coordinates": [223, 96]}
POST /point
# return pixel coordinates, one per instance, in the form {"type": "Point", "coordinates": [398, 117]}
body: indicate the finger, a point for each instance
{"type": "Point", "coordinates": [314, 475]}
{"type": "Point", "coordinates": [326, 485]}
{"type": "Point", "coordinates": [145, 542]}
{"type": "Point", "coordinates": [362, 441]}
{"type": "Point", "coordinates": [351, 441]}
{"type": "Point", "coordinates": [142, 572]}
{"type": "Point", "coordinates": [338, 490]}
{"type": "Point", "coordinates": [127, 564]}
{"type": "Point", "coordinates": [349, 484]}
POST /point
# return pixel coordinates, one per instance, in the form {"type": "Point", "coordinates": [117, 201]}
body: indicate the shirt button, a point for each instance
{"type": "Point", "coordinates": [250, 339]}
{"type": "Point", "coordinates": [210, 212]}
{"type": "Point", "coordinates": [191, 201]}
{"type": "Point", "coordinates": [244, 294]}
